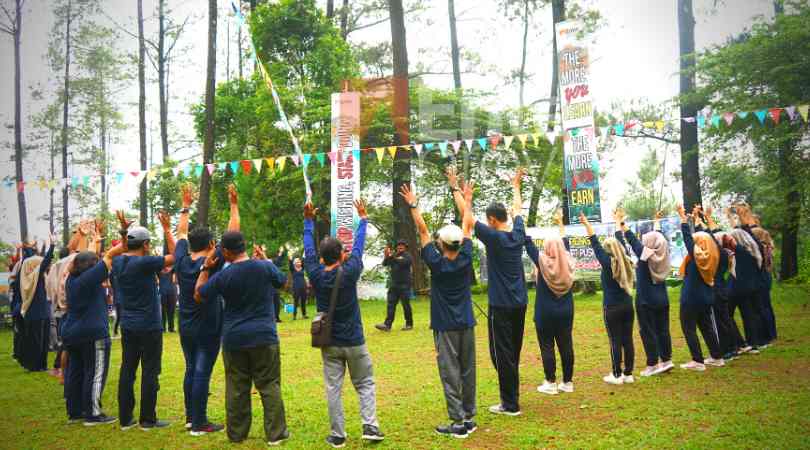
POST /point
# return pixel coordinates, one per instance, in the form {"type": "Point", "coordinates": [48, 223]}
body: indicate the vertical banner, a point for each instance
{"type": "Point", "coordinates": [579, 139]}
{"type": "Point", "coordinates": [345, 167]}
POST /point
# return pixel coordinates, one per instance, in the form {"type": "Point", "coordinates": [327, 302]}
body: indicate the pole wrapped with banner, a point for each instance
{"type": "Point", "coordinates": [346, 165]}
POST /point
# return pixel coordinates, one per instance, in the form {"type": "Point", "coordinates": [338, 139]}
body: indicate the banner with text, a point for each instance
{"type": "Point", "coordinates": [345, 156]}
{"type": "Point", "coordinates": [579, 138]}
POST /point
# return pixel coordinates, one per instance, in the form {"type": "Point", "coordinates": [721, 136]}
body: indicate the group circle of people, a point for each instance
{"type": "Point", "coordinates": [228, 302]}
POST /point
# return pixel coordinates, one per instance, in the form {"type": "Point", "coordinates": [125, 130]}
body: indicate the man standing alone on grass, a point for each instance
{"type": "Point", "coordinates": [347, 346]}
{"type": "Point", "coordinates": [249, 338]}
{"type": "Point", "coordinates": [400, 288]}
{"type": "Point", "coordinates": [168, 298]}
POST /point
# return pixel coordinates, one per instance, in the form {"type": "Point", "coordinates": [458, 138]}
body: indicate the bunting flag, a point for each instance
{"type": "Point", "coordinates": [257, 163]}
{"type": "Point", "coordinates": [482, 142]}
{"type": "Point", "coordinates": [295, 159]}
{"type": "Point", "coordinates": [306, 158]}
{"type": "Point", "coordinates": [380, 153]}
{"type": "Point", "coordinates": [332, 157]}
{"type": "Point", "coordinates": [648, 124]}
{"type": "Point", "coordinates": [119, 177]}
{"type": "Point", "coordinates": [321, 157]}
{"type": "Point", "coordinates": [522, 138]}
{"type": "Point", "coordinates": [742, 114]}
{"type": "Point", "coordinates": [281, 161]}
{"type": "Point", "coordinates": [186, 171]}
{"type": "Point", "coordinates": [443, 149]}
{"type": "Point", "coordinates": [536, 138]}
{"type": "Point", "coordinates": [234, 165]}
{"type": "Point", "coordinates": [659, 125]}
{"type": "Point", "coordinates": [151, 174]}
{"type": "Point", "coordinates": [270, 164]}
{"type": "Point", "coordinates": [689, 119]}
{"type": "Point", "coordinates": [429, 146]}
{"type": "Point", "coordinates": [456, 146]}
{"type": "Point", "coordinates": [246, 165]}
{"type": "Point", "coordinates": [211, 168]}
{"type": "Point", "coordinates": [198, 170]}
{"type": "Point", "coordinates": [175, 171]}
{"type": "Point", "coordinates": [393, 151]}
{"type": "Point", "coordinates": [729, 118]}
{"type": "Point", "coordinates": [222, 167]}
{"type": "Point", "coordinates": [418, 148]}
{"type": "Point", "coordinates": [775, 114]}
{"type": "Point", "coordinates": [469, 144]}
{"type": "Point", "coordinates": [803, 110]}
{"type": "Point", "coordinates": [619, 129]}
{"type": "Point", "coordinates": [356, 154]}
{"type": "Point", "coordinates": [701, 121]}
{"type": "Point", "coordinates": [761, 116]}
{"type": "Point", "coordinates": [791, 112]}
{"type": "Point", "coordinates": [551, 136]}
{"type": "Point", "coordinates": [716, 121]}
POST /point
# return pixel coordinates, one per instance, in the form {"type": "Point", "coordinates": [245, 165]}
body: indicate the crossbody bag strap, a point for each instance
{"type": "Point", "coordinates": [335, 289]}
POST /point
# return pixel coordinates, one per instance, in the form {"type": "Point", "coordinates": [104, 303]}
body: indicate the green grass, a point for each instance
{"type": "Point", "coordinates": [757, 402]}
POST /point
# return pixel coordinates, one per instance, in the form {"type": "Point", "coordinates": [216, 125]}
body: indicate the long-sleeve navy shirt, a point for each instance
{"type": "Point", "coordinates": [400, 265]}
{"type": "Point", "coordinates": [694, 292]}
{"type": "Point", "coordinates": [648, 292]}
{"type": "Point", "coordinates": [612, 293]}
{"type": "Point", "coordinates": [86, 318]}
{"type": "Point", "coordinates": [547, 306]}
{"type": "Point", "coordinates": [39, 308]}
{"type": "Point", "coordinates": [347, 326]}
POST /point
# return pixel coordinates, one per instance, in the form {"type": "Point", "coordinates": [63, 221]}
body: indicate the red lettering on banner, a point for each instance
{"type": "Point", "coordinates": [345, 235]}
{"type": "Point", "coordinates": [345, 169]}
{"type": "Point", "coordinates": [576, 91]}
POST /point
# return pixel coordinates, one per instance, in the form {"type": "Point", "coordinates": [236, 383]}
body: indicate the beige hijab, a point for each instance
{"type": "Point", "coordinates": [29, 277]}
{"type": "Point", "coordinates": [748, 243]}
{"type": "Point", "coordinates": [656, 254]}
{"type": "Point", "coordinates": [556, 266]}
{"type": "Point", "coordinates": [621, 265]}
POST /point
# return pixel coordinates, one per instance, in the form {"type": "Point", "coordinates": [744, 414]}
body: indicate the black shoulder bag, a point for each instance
{"type": "Point", "coordinates": [322, 323]}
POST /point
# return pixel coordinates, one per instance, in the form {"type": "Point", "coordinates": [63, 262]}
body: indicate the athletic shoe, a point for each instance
{"type": "Point", "coordinates": [714, 362]}
{"type": "Point", "coordinates": [745, 349]}
{"type": "Point", "coordinates": [499, 409]}
{"type": "Point", "coordinates": [205, 429]}
{"type": "Point", "coordinates": [336, 442]}
{"type": "Point", "coordinates": [126, 426]}
{"type": "Point", "coordinates": [148, 426]}
{"type": "Point", "coordinates": [101, 419]}
{"type": "Point", "coordinates": [754, 351]}
{"type": "Point", "coordinates": [456, 430]}
{"type": "Point", "coordinates": [566, 387]}
{"type": "Point", "coordinates": [470, 425]}
{"type": "Point", "coordinates": [764, 346]}
{"type": "Point", "coordinates": [693, 365]}
{"type": "Point", "coordinates": [407, 328]}
{"type": "Point", "coordinates": [547, 388]}
{"type": "Point", "coordinates": [665, 366]}
{"type": "Point", "coordinates": [72, 420]}
{"type": "Point", "coordinates": [610, 379]}
{"type": "Point", "coordinates": [730, 356]}
{"type": "Point", "coordinates": [628, 379]}
{"type": "Point", "coordinates": [649, 371]}
{"type": "Point", "coordinates": [382, 327]}
{"type": "Point", "coordinates": [281, 439]}
{"type": "Point", "coordinates": [372, 433]}
{"type": "Point", "coordinates": [188, 423]}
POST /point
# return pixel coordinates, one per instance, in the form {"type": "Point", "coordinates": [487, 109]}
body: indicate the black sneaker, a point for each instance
{"type": "Point", "coordinates": [457, 430]}
{"type": "Point", "coordinates": [205, 429]}
{"type": "Point", "coordinates": [336, 442]}
{"type": "Point", "coordinates": [407, 328]}
{"type": "Point", "coordinates": [126, 426]}
{"type": "Point", "coordinates": [470, 425]}
{"type": "Point", "coordinates": [382, 327]}
{"type": "Point", "coordinates": [101, 419]}
{"type": "Point", "coordinates": [278, 441]}
{"type": "Point", "coordinates": [372, 433]}
{"type": "Point", "coordinates": [147, 426]}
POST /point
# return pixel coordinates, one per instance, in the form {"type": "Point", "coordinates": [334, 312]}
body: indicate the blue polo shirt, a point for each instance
{"type": "Point", "coordinates": [138, 291]}
{"type": "Point", "coordinates": [86, 318]}
{"type": "Point", "coordinates": [507, 282]}
{"type": "Point", "coordinates": [450, 298]}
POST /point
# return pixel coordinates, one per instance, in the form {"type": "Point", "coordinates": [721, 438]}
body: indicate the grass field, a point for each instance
{"type": "Point", "coordinates": [759, 401]}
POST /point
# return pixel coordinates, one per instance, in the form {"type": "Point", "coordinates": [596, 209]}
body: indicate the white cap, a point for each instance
{"type": "Point", "coordinates": [137, 234]}
{"type": "Point", "coordinates": [451, 235]}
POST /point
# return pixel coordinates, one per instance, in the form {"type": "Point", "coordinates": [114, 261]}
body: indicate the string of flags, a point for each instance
{"type": "Point", "coordinates": [273, 164]}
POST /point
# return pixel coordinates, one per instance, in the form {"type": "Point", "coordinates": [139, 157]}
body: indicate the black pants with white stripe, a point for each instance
{"type": "Point", "coordinates": [85, 377]}
{"type": "Point", "coordinates": [505, 342]}
{"type": "Point", "coordinates": [619, 324]}
{"type": "Point", "coordinates": [702, 317]}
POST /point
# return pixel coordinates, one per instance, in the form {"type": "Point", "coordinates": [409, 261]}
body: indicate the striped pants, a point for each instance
{"type": "Point", "coordinates": [694, 317]}
{"type": "Point", "coordinates": [85, 377]}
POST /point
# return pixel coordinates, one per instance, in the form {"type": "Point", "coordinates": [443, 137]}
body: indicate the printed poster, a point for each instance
{"type": "Point", "coordinates": [345, 167]}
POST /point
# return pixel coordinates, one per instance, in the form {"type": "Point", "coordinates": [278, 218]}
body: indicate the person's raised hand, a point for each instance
{"type": "Point", "coordinates": [360, 206]}
{"type": "Point", "coordinates": [708, 211]}
{"type": "Point", "coordinates": [258, 252]}
{"type": "Point", "coordinates": [122, 220]}
{"type": "Point", "coordinates": [187, 195]}
{"type": "Point", "coordinates": [468, 190]}
{"type": "Point", "coordinates": [681, 212]}
{"type": "Point", "coordinates": [518, 177]}
{"type": "Point", "coordinates": [233, 197]}
{"type": "Point", "coordinates": [558, 217]}
{"type": "Point", "coordinates": [210, 261]}
{"type": "Point", "coordinates": [452, 176]}
{"type": "Point", "coordinates": [618, 215]}
{"type": "Point", "coordinates": [387, 251]}
{"type": "Point", "coordinates": [101, 226]}
{"type": "Point", "coordinates": [310, 211]}
{"type": "Point", "coordinates": [408, 194]}
{"type": "Point", "coordinates": [582, 219]}
{"type": "Point", "coordinates": [165, 220]}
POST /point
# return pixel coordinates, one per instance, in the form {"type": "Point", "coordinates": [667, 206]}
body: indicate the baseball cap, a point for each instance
{"type": "Point", "coordinates": [402, 242]}
{"type": "Point", "coordinates": [137, 234]}
{"type": "Point", "coordinates": [451, 235]}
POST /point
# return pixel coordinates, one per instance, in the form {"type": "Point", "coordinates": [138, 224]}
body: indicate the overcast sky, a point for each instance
{"type": "Point", "coordinates": [635, 55]}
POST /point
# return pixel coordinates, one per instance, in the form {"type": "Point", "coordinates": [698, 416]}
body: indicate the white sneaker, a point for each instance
{"type": "Point", "coordinates": [566, 387]}
{"type": "Point", "coordinates": [547, 388]}
{"type": "Point", "coordinates": [694, 365]}
{"type": "Point", "coordinates": [498, 409]}
{"type": "Point", "coordinates": [610, 379]}
{"type": "Point", "coordinates": [764, 346]}
{"type": "Point", "coordinates": [650, 371]}
{"type": "Point", "coordinates": [754, 351]}
{"type": "Point", "coordinates": [745, 349]}
{"type": "Point", "coordinates": [628, 379]}
{"type": "Point", "coordinates": [665, 366]}
{"type": "Point", "coordinates": [714, 362]}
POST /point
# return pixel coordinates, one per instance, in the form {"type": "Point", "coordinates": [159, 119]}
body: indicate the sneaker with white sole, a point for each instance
{"type": "Point", "coordinates": [336, 442]}
{"type": "Point", "coordinates": [694, 365]}
{"type": "Point", "coordinates": [372, 433]}
{"type": "Point", "coordinates": [470, 425]}
{"type": "Point", "coordinates": [101, 419]}
{"type": "Point", "coordinates": [754, 351]}
{"type": "Point", "coordinates": [280, 439]}
{"type": "Point", "coordinates": [649, 371]}
{"type": "Point", "coordinates": [611, 379]}
{"type": "Point", "coordinates": [714, 362]}
{"type": "Point", "coordinates": [665, 366]}
{"type": "Point", "coordinates": [206, 429]}
{"type": "Point", "coordinates": [499, 409]}
{"type": "Point", "coordinates": [566, 387]}
{"type": "Point", "coordinates": [456, 430]}
{"type": "Point", "coordinates": [628, 379]}
{"type": "Point", "coordinates": [547, 388]}
{"type": "Point", "coordinates": [745, 349]}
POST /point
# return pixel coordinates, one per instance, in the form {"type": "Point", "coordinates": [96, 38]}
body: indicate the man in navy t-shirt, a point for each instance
{"type": "Point", "coordinates": [249, 339]}
{"type": "Point", "coordinates": [136, 273]}
{"type": "Point", "coordinates": [506, 291]}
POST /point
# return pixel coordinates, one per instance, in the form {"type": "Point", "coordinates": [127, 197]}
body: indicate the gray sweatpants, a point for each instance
{"type": "Point", "coordinates": [455, 355]}
{"type": "Point", "coordinates": [335, 361]}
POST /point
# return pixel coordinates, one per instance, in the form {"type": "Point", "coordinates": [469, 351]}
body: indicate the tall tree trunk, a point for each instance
{"type": "Point", "coordinates": [522, 100]}
{"type": "Point", "coordinates": [164, 107]}
{"type": "Point", "coordinates": [558, 15]}
{"type": "Point", "coordinates": [239, 49]}
{"type": "Point", "coordinates": [65, 106]}
{"type": "Point", "coordinates": [344, 19]}
{"type": "Point", "coordinates": [52, 191]}
{"type": "Point", "coordinates": [330, 8]}
{"type": "Point", "coordinates": [690, 154]}
{"type": "Point", "coordinates": [228, 49]}
{"type": "Point", "coordinates": [210, 92]}
{"type": "Point", "coordinates": [18, 147]}
{"type": "Point", "coordinates": [403, 222]}
{"type": "Point", "coordinates": [454, 52]}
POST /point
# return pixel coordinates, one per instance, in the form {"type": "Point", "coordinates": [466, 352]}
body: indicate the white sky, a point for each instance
{"type": "Point", "coordinates": [634, 56]}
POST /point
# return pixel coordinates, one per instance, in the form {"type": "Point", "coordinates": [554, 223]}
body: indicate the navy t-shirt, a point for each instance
{"type": "Point", "coordinates": [138, 292]}
{"type": "Point", "coordinates": [550, 310]}
{"type": "Point", "coordinates": [196, 319]}
{"type": "Point", "coordinates": [450, 299]}
{"type": "Point", "coordinates": [86, 318]}
{"type": "Point", "coordinates": [612, 293]}
{"type": "Point", "coordinates": [694, 292]}
{"type": "Point", "coordinates": [167, 287]}
{"type": "Point", "coordinates": [648, 292]}
{"type": "Point", "coordinates": [247, 286]}
{"type": "Point", "coordinates": [507, 282]}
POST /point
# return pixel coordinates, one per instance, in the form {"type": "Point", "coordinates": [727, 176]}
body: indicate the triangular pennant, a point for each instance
{"type": "Point", "coordinates": [803, 110]}
{"type": "Point", "coordinates": [742, 114]}
{"type": "Point", "coordinates": [775, 114]}
{"type": "Point", "coordinates": [246, 165]}
{"type": "Point", "coordinates": [603, 131]}
{"type": "Point", "coordinates": [21, 186]}
{"type": "Point", "coordinates": [85, 181]}
{"type": "Point", "coordinates": [619, 129]}
{"type": "Point", "coordinates": [649, 124]}
{"type": "Point", "coordinates": [270, 163]}
{"type": "Point", "coordinates": [258, 163]}
{"type": "Point", "coordinates": [392, 151]}
{"type": "Point", "coordinates": [211, 168]}
{"type": "Point", "coordinates": [659, 125]}
{"type": "Point", "coordinates": [119, 177]}
{"type": "Point", "coordinates": [321, 157]}
{"type": "Point", "coordinates": [701, 121]}
{"type": "Point", "coordinates": [186, 170]}
{"type": "Point", "coordinates": [305, 158]}
{"type": "Point", "coordinates": [522, 138]}
{"type": "Point", "coordinates": [551, 136]}
{"type": "Point", "coordinates": [482, 142]}
{"type": "Point", "coordinates": [429, 146]}
{"type": "Point", "coordinates": [175, 171]}
{"type": "Point", "coordinates": [729, 118]}
{"type": "Point", "coordinates": [356, 154]}
{"type": "Point", "coordinates": [456, 146]}
{"type": "Point", "coordinates": [151, 174]}
{"type": "Point", "coordinates": [443, 149]}
{"type": "Point", "coordinates": [761, 116]}
{"type": "Point", "coordinates": [380, 153]}
{"type": "Point", "coordinates": [332, 157]}
{"type": "Point", "coordinates": [716, 120]}
{"type": "Point", "coordinates": [296, 160]}
{"type": "Point", "coordinates": [234, 165]}
{"type": "Point", "coordinates": [222, 166]}
{"type": "Point", "coordinates": [536, 138]}
{"type": "Point", "coordinates": [198, 170]}
{"type": "Point", "coordinates": [418, 148]}
{"type": "Point", "coordinates": [791, 112]}
{"type": "Point", "coordinates": [468, 143]}
{"type": "Point", "coordinates": [281, 161]}
{"type": "Point", "coordinates": [494, 140]}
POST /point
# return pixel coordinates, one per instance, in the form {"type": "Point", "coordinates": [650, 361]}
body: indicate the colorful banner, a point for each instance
{"type": "Point", "coordinates": [345, 167]}
{"type": "Point", "coordinates": [581, 171]}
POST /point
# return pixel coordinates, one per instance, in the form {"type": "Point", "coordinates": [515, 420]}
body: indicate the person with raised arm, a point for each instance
{"type": "Point", "coordinates": [200, 324]}
{"type": "Point", "coordinates": [652, 301]}
{"type": "Point", "coordinates": [554, 308]}
{"type": "Point", "coordinates": [698, 271]}
{"type": "Point", "coordinates": [34, 308]}
{"type": "Point", "coordinates": [347, 347]}
{"type": "Point", "coordinates": [86, 335]}
{"type": "Point", "coordinates": [449, 259]}
{"type": "Point", "coordinates": [136, 272]}
{"type": "Point", "coordinates": [506, 291]}
{"type": "Point", "coordinates": [618, 278]}
{"type": "Point", "coordinates": [400, 287]}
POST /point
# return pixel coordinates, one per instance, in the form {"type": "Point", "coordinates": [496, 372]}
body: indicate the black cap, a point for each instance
{"type": "Point", "coordinates": [233, 241]}
{"type": "Point", "coordinates": [402, 242]}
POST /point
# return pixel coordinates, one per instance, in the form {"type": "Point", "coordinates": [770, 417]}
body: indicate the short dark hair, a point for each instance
{"type": "Point", "coordinates": [83, 261]}
{"type": "Point", "coordinates": [331, 249]}
{"type": "Point", "coordinates": [136, 245]}
{"type": "Point", "coordinates": [199, 238]}
{"type": "Point", "coordinates": [233, 241]}
{"type": "Point", "coordinates": [497, 211]}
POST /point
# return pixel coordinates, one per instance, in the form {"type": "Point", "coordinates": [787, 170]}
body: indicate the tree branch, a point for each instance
{"type": "Point", "coordinates": [130, 34]}
{"type": "Point", "coordinates": [643, 135]}
{"type": "Point", "coordinates": [7, 30]}
{"type": "Point", "coordinates": [11, 22]}
{"type": "Point", "coordinates": [177, 36]}
{"type": "Point", "coordinates": [376, 22]}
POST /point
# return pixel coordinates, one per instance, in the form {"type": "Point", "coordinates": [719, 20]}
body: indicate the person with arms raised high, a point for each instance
{"type": "Point", "coordinates": [34, 308]}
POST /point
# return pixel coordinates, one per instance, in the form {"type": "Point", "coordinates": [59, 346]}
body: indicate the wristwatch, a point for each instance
{"type": "Point", "coordinates": [413, 205]}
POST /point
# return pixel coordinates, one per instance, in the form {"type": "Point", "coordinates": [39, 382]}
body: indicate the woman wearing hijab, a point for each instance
{"type": "Point", "coordinates": [698, 271]}
{"type": "Point", "coordinates": [652, 302]}
{"type": "Point", "coordinates": [554, 308]}
{"type": "Point", "coordinates": [35, 310]}
{"type": "Point", "coordinates": [617, 287]}
{"type": "Point", "coordinates": [745, 286]}
{"type": "Point", "coordinates": [765, 306]}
